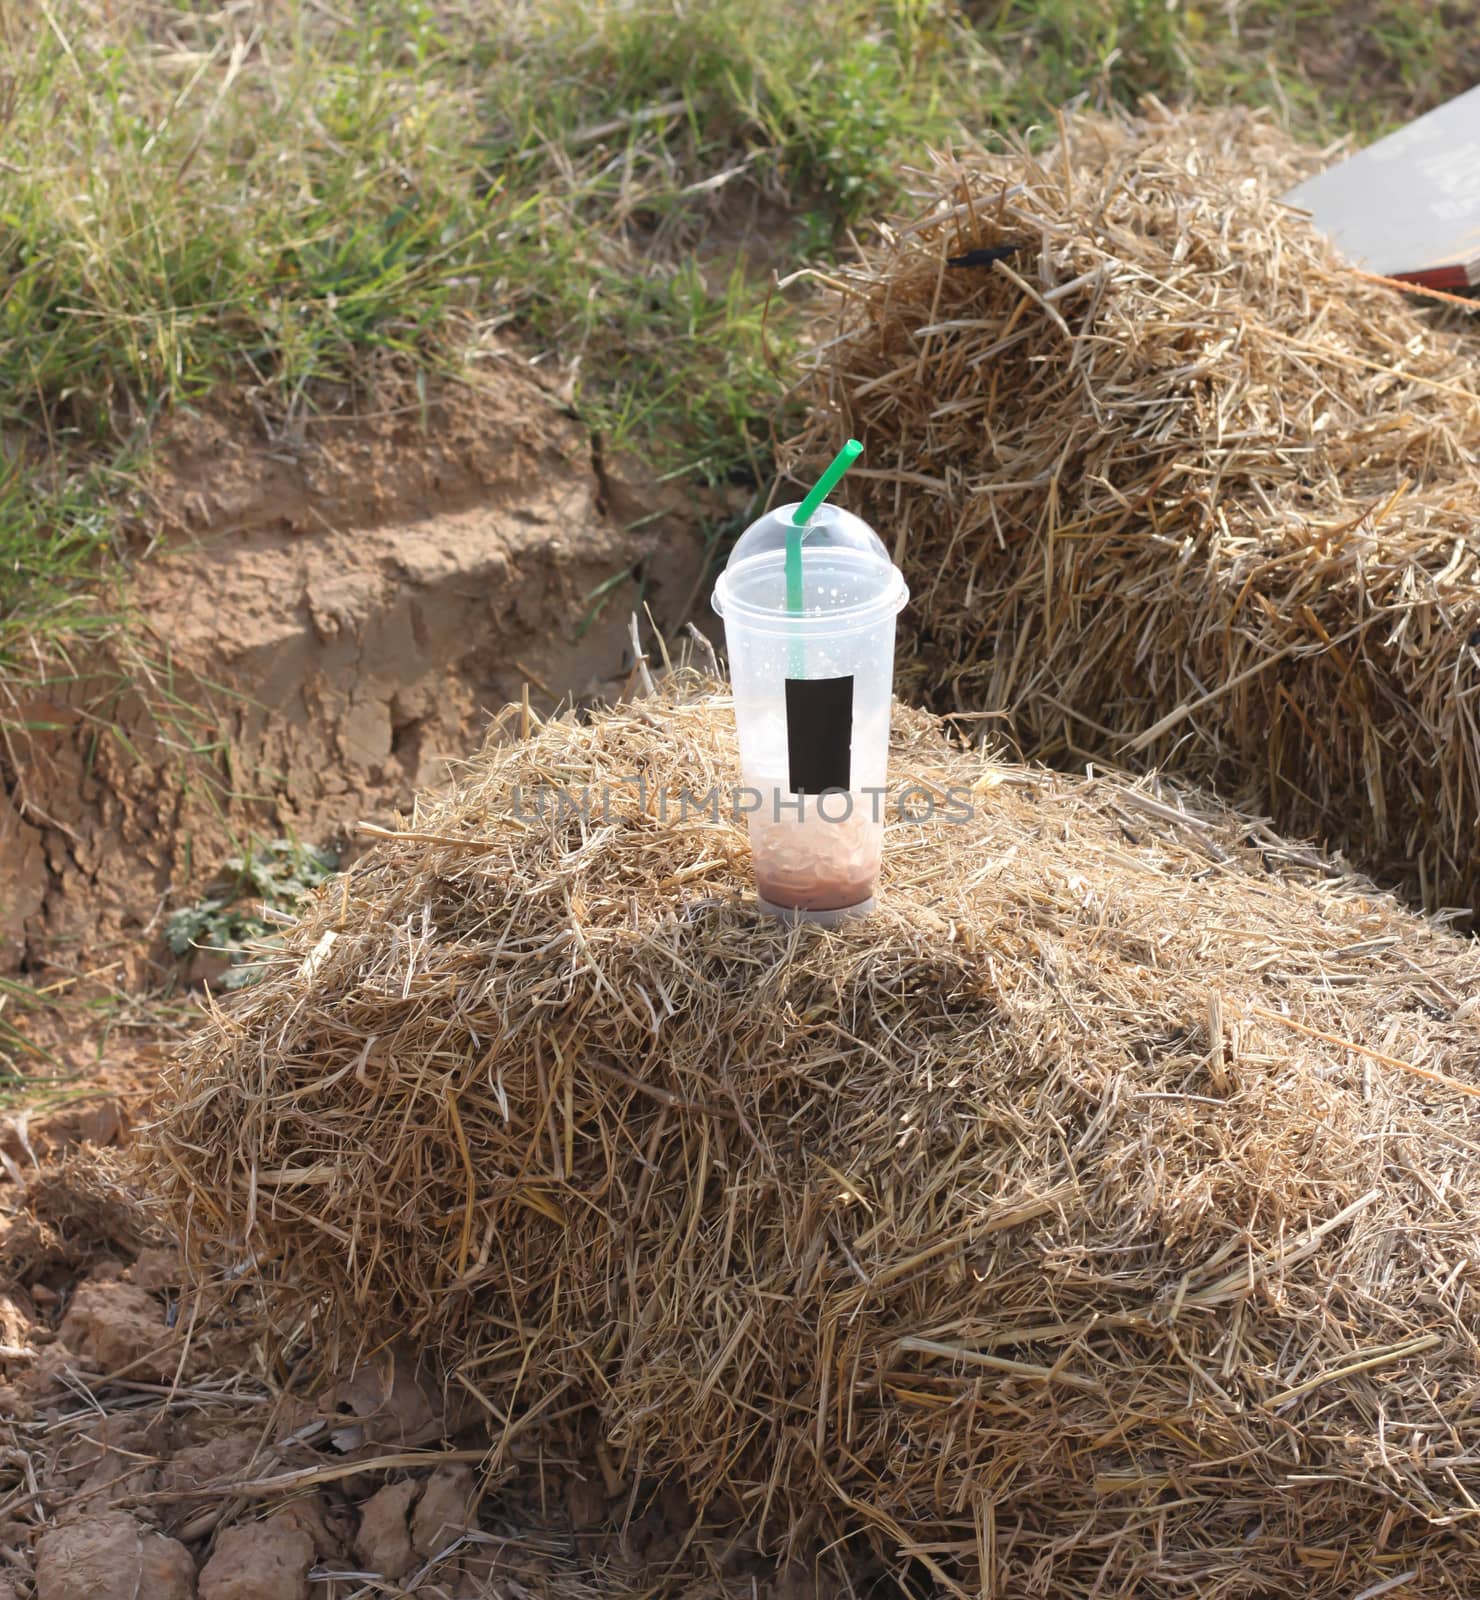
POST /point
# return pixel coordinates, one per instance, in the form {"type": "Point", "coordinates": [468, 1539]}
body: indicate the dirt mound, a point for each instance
{"type": "Point", "coordinates": [1172, 485]}
{"type": "Point", "coordinates": [1048, 1227]}
{"type": "Point", "coordinates": [326, 618]}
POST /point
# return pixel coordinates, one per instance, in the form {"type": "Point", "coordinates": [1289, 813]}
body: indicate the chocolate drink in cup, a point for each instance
{"type": "Point", "coordinates": [809, 598]}
{"type": "Point", "coordinates": [816, 865]}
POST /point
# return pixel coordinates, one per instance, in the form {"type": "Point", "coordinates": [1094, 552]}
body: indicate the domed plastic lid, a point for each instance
{"type": "Point", "coordinates": [831, 528]}
{"type": "Point", "coordinates": [752, 585]}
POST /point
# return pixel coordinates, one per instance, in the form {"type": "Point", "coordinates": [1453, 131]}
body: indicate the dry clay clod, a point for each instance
{"type": "Point", "coordinates": [445, 1510]}
{"type": "Point", "coordinates": [383, 1542]}
{"type": "Point", "coordinates": [119, 1327]}
{"type": "Point", "coordinates": [258, 1561]}
{"type": "Point", "coordinates": [111, 1557]}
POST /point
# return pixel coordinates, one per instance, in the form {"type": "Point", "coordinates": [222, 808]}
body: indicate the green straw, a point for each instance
{"type": "Point", "coordinates": [804, 514]}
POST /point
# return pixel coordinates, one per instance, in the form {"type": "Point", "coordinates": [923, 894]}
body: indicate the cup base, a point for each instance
{"type": "Point", "coordinates": [823, 919]}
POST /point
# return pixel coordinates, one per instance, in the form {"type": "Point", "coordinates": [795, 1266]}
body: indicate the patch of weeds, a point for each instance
{"type": "Point", "coordinates": [55, 530]}
{"type": "Point", "coordinates": [19, 1054]}
{"type": "Point", "coordinates": [268, 203]}
{"type": "Point", "coordinates": [1359, 67]}
{"type": "Point", "coordinates": [242, 914]}
{"type": "Point", "coordinates": [662, 164]}
{"type": "Point", "coordinates": [684, 368]}
{"type": "Point", "coordinates": [834, 123]}
{"type": "Point", "coordinates": [1327, 67]}
{"type": "Point", "coordinates": [600, 596]}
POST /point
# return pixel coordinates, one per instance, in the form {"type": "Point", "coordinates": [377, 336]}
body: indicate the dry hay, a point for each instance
{"type": "Point", "coordinates": [1175, 485]}
{"type": "Point", "coordinates": [73, 1212]}
{"type": "Point", "coordinates": [1101, 1213]}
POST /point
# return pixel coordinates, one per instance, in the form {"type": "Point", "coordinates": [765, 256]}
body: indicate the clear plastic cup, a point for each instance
{"type": "Point", "coordinates": [812, 692]}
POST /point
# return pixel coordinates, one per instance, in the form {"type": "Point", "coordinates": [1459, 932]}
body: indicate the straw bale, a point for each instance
{"type": "Point", "coordinates": [1173, 485]}
{"type": "Point", "coordinates": [1098, 1217]}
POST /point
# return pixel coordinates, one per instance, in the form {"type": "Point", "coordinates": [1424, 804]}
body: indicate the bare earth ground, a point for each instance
{"type": "Point", "coordinates": [336, 612]}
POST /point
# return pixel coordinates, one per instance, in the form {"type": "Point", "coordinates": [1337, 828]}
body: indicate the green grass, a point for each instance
{"type": "Point", "coordinates": [296, 199]}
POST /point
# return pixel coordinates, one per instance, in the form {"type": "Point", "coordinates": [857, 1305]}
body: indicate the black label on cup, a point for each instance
{"type": "Point", "coordinates": [819, 733]}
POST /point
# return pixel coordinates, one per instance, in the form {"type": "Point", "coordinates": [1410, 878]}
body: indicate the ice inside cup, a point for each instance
{"type": "Point", "coordinates": [812, 691]}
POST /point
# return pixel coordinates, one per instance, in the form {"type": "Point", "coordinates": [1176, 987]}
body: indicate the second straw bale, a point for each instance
{"type": "Point", "coordinates": [1171, 483]}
